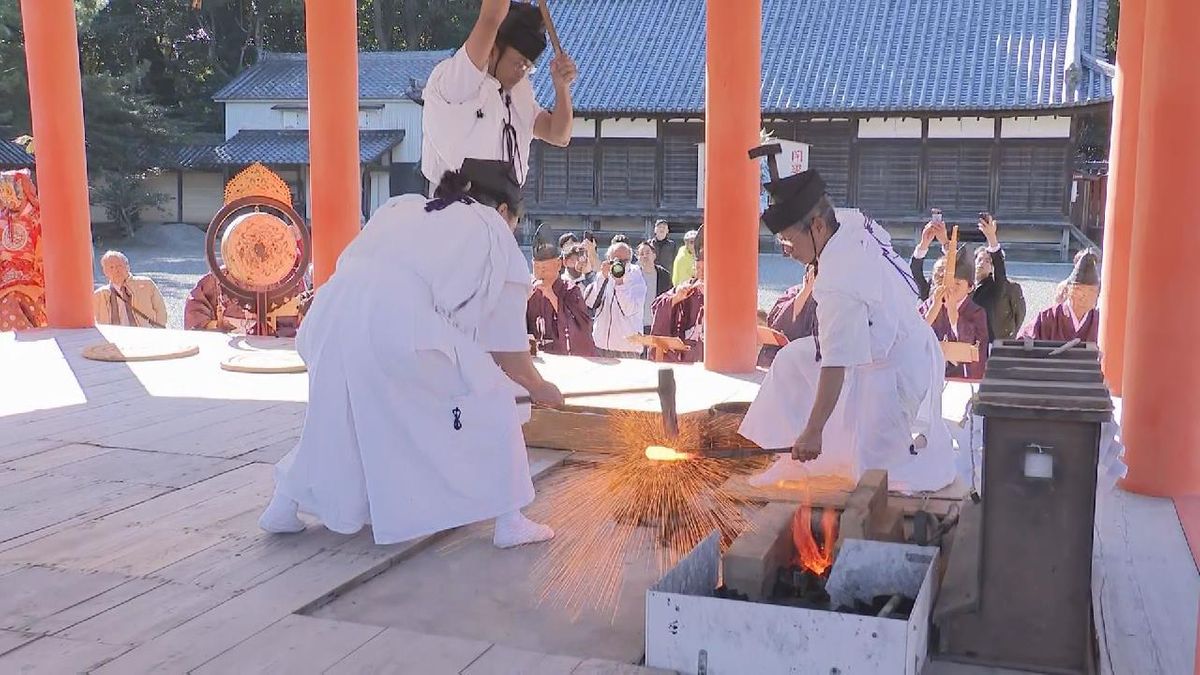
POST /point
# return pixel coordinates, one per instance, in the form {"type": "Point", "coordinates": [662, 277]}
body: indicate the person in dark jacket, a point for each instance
{"type": "Point", "coordinates": [665, 248]}
{"type": "Point", "coordinates": [1000, 298]}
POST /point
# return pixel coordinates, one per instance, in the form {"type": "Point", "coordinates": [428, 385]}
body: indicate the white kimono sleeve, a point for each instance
{"type": "Point", "coordinates": [503, 330]}
{"type": "Point", "coordinates": [844, 330]}
{"type": "Point", "coordinates": [456, 80]}
{"type": "Point", "coordinates": [525, 105]}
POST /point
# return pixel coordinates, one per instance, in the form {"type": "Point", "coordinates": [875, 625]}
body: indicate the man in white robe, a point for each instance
{"type": "Point", "coordinates": [480, 102]}
{"type": "Point", "coordinates": [413, 348]}
{"type": "Point", "coordinates": [865, 391]}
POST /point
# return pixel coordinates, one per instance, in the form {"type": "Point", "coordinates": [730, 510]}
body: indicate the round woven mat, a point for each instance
{"type": "Point", "coordinates": [265, 362]}
{"type": "Point", "coordinates": [139, 351]}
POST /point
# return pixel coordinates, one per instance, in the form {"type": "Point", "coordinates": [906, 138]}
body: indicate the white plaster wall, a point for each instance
{"type": "Point", "coordinates": [241, 115]}
{"type": "Point", "coordinates": [1036, 127]}
{"type": "Point", "coordinates": [892, 127]}
{"type": "Point", "coordinates": [583, 128]}
{"type": "Point", "coordinates": [400, 114]}
{"type": "Point", "coordinates": [962, 127]}
{"type": "Point", "coordinates": [379, 191]}
{"type": "Point", "coordinates": [628, 128]}
{"type": "Point", "coordinates": [203, 196]}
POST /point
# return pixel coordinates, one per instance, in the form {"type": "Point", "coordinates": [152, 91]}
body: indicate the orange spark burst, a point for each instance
{"type": "Point", "coordinates": [606, 512]}
{"type": "Point", "coordinates": [661, 453]}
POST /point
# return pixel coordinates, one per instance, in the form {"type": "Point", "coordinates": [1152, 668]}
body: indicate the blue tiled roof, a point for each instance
{"type": "Point", "coordinates": [279, 147]}
{"type": "Point", "coordinates": [12, 154]}
{"type": "Point", "coordinates": [284, 77]}
{"type": "Point", "coordinates": [831, 56]}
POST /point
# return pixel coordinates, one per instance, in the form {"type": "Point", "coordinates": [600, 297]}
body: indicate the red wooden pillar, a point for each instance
{"type": "Point", "coordinates": [731, 216]}
{"type": "Point", "coordinates": [1162, 373]}
{"type": "Point", "coordinates": [1118, 212]}
{"type": "Point", "coordinates": [56, 104]}
{"type": "Point", "coordinates": [332, 31]}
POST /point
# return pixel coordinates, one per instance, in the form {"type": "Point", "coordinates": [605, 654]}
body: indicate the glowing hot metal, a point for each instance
{"type": "Point", "coordinates": [660, 453]}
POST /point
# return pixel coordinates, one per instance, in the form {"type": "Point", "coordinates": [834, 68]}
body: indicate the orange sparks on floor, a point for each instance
{"type": "Point", "coordinates": [611, 513]}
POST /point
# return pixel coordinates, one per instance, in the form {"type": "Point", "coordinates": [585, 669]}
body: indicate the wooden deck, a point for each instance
{"type": "Point", "coordinates": [129, 495]}
{"type": "Point", "coordinates": [129, 498]}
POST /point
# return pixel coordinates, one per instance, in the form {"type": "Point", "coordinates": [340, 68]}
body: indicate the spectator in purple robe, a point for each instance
{"type": "Point", "coordinates": [794, 315]}
{"type": "Point", "coordinates": [680, 313]}
{"type": "Point", "coordinates": [1078, 316]}
{"type": "Point", "coordinates": [959, 319]}
{"type": "Point", "coordinates": [209, 307]}
{"type": "Point", "coordinates": [556, 315]}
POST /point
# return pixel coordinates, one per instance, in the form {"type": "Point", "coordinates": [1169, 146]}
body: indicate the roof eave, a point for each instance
{"type": "Point", "coordinates": [658, 113]}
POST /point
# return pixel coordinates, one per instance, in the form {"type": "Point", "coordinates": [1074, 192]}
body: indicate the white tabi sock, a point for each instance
{"type": "Point", "coordinates": [514, 529]}
{"type": "Point", "coordinates": [281, 517]}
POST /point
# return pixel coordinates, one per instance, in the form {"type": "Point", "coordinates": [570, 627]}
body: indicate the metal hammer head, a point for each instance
{"type": "Point", "coordinates": [666, 397]}
{"type": "Point", "coordinates": [771, 151]}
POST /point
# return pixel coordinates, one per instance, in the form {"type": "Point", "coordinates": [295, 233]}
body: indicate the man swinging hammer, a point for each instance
{"type": "Point", "coordinates": [480, 102]}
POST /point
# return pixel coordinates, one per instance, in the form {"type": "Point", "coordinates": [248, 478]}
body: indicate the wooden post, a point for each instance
{"type": "Point", "coordinates": [1162, 373]}
{"type": "Point", "coordinates": [332, 31]}
{"type": "Point", "coordinates": [731, 207]}
{"type": "Point", "coordinates": [56, 104]}
{"type": "Point", "coordinates": [1118, 211]}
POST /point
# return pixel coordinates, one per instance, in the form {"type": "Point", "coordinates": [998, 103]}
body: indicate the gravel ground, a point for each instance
{"type": "Point", "coordinates": [173, 256]}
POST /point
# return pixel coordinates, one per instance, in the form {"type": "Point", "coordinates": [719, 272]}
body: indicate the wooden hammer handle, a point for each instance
{"type": "Point", "coordinates": [550, 26]}
{"type": "Point", "coordinates": [589, 394]}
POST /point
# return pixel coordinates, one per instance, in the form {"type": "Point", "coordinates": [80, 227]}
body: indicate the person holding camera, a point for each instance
{"type": "Point", "coordinates": [617, 298]}
{"type": "Point", "coordinates": [1000, 298]}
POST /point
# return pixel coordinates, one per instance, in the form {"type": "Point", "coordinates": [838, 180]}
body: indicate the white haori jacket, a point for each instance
{"type": "Point", "coordinates": [464, 116]}
{"type": "Point", "coordinates": [411, 426]}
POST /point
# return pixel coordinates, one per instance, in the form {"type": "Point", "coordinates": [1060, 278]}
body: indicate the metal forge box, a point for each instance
{"type": "Point", "coordinates": [1017, 590]}
{"type": "Point", "coordinates": [690, 630]}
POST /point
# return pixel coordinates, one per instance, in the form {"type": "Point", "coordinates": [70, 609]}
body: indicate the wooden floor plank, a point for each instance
{"type": "Point", "coordinates": [58, 655]}
{"type": "Point", "coordinates": [272, 452]}
{"type": "Point", "coordinates": [94, 606]}
{"type": "Point", "coordinates": [295, 644]}
{"type": "Point", "coordinates": [1146, 589]}
{"type": "Point", "coordinates": [239, 564]}
{"type": "Point", "coordinates": [1188, 509]}
{"type": "Point", "coordinates": [602, 667]}
{"type": "Point", "coordinates": [34, 593]}
{"type": "Point", "coordinates": [54, 458]}
{"type": "Point", "coordinates": [10, 640]}
{"type": "Point", "coordinates": [401, 652]}
{"type": "Point", "coordinates": [147, 468]}
{"type": "Point", "coordinates": [44, 501]}
{"type": "Point", "coordinates": [501, 660]}
{"type": "Point", "coordinates": [209, 635]}
{"type": "Point", "coordinates": [147, 615]}
{"type": "Point", "coordinates": [14, 448]}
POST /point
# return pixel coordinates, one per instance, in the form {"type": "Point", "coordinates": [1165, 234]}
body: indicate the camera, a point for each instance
{"type": "Point", "coordinates": [618, 269]}
{"type": "Point", "coordinates": [589, 236]}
